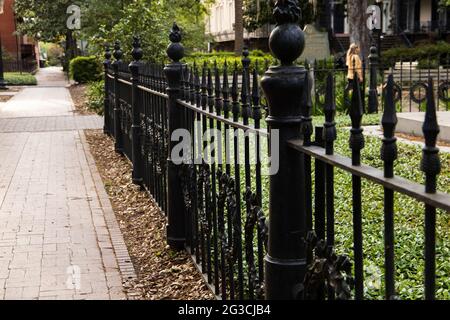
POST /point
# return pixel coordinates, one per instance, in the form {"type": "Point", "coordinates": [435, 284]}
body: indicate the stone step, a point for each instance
{"type": "Point", "coordinates": [411, 123]}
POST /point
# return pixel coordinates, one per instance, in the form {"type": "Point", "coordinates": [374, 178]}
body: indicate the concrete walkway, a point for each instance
{"type": "Point", "coordinates": [411, 123]}
{"type": "Point", "coordinates": [58, 235]}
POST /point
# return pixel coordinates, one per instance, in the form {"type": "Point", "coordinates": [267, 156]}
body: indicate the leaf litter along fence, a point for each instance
{"type": "Point", "coordinates": [215, 209]}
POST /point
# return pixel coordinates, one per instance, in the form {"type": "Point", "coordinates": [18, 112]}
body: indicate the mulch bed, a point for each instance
{"type": "Point", "coordinates": [161, 272]}
{"type": "Point", "coordinates": [6, 95]}
{"type": "Point", "coordinates": [78, 93]}
{"type": "Point", "coordinates": [5, 98]}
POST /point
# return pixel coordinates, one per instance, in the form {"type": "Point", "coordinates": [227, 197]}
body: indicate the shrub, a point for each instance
{"type": "Point", "coordinates": [256, 57]}
{"type": "Point", "coordinates": [258, 53]}
{"type": "Point", "coordinates": [428, 64]}
{"type": "Point", "coordinates": [95, 96]}
{"type": "Point", "coordinates": [20, 79]}
{"type": "Point", "coordinates": [430, 51]}
{"type": "Point", "coordinates": [85, 69]}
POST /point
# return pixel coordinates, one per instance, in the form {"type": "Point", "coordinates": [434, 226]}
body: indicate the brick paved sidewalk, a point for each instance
{"type": "Point", "coordinates": [58, 233]}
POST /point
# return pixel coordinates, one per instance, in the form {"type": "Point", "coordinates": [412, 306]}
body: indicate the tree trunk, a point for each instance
{"type": "Point", "coordinates": [238, 26]}
{"type": "Point", "coordinates": [70, 50]}
{"type": "Point", "coordinates": [357, 20]}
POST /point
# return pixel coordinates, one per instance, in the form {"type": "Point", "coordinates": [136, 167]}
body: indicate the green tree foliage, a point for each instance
{"type": "Point", "coordinates": [47, 21]}
{"type": "Point", "coordinates": [149, 19]}
{"type": "Point", "coordinates": [104, 22]}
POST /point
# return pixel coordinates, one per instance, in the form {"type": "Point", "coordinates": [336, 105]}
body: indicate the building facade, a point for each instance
{"type": "Point", "coordinates": [409, 16]}
{"type": "Point", "coordinates": [220, 25]}
{"type": "Point", "coordinates": [413, 19]}
{"type": "Point", "coordinates": [16, 47]}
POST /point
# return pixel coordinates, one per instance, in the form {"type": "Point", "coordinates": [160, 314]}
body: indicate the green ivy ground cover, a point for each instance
{"type": "Point", "coordinates": [409, 218]}
{"type": "Point", "coordinates": [20, 79]}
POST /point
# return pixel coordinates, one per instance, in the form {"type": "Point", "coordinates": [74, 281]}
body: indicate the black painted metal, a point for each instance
{"type": "Point", "coordinates": [106, 102]}
{"type": "Point", "coordinates": [117, 110]}
{"type": "Point", "coordinates": [431, 166]}
{"type": "Point", "coordinates": [215, 209]}
{"type": "Point", "coordinates": [373, 92]}
{"type": "Point", "coordinates": [176, 234]}
{"type": "Point", "coordinates": [2, 75]}
{"type": "Point", "coordinates": [389, 155]}
{"type": "Point", "coordinates": [137, 54]}
{"type": "Point", "coordinates": [285, 262]}
{"type": "Point", "coordinates": [356, 145]}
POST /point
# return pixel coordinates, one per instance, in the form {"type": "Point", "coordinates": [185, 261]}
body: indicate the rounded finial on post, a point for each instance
{"type": "Point", "coordinates": [287, 40]}
{"type": "Point", "coordinates": [389, 121]}
{"type": "Point", "coordinates": [175, 51]}
{"type": "Point", "coordinates": [373, 50]}
{"type": "Point", "coordinates": [285, 89]}
{"type": "Point", "coordinates": [137, 51]}
{"type": "Point", "coordinates": [118, 53]}
{"type": "Point", "coordinates": [108, 54]}
{"type": "Point", "coordinates": [245, 59]}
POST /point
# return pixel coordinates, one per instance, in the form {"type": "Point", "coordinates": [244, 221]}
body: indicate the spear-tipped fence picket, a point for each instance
{"type": "Point", "coordinates": [249, 246]}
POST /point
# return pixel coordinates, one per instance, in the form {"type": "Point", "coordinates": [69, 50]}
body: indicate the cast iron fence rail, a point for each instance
{"type": "Point", "coordinates": [215, 209]}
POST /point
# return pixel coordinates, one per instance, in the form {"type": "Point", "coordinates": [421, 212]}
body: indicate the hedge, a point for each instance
{"type": "Point", "coordinates": [219, 58]}
{"type": "Point", "coordinates": [85, 69]}
{"type": "Point", "coordinates": [440, 50]}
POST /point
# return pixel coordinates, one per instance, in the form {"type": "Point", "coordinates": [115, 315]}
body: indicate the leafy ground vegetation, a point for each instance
{"type": "Point", "coordinates": [409, 221]}
{"type": "Point", "coordinates": [409, 216]}
{"type": "Point", "coordinates": [20, 79]}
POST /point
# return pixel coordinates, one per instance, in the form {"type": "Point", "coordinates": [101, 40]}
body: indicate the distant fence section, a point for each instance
{"type": "Point", "coordinates": [29, 66]}
{"type": "Point", "coordinates": [256, 235]}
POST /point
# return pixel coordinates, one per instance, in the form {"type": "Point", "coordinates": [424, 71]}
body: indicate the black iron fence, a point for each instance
{"type": "Point", "coordinates": [29, 66]}
{"type": "Point", "coordinates": [261, 227]}
{"type": "Point", "coordinates": [410, 83]}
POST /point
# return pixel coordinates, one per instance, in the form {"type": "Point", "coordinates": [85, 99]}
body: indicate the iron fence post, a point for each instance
{"type": "Point", "coordinates": [137, 54]}
{"type": "Point", "coordinates": [176, 235]}
{"type": "Point", "coordinates": [106, 64]}
{"type": "Point", "coordinates": [373, 92]}
{"type": "Point", "coordinates": [284, 85]}
{"type": "Point", "coordinates": [117, 112]}
{"type": "Point", "coordinates": [2, 75]}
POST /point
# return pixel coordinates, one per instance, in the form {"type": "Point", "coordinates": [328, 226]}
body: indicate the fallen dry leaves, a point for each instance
{"type": "Point", "coordinates": [5, 98]}
{"type": "Point", "coordinates": [78, 93]}
{"type": "Point", "coordinates": [161, 272]}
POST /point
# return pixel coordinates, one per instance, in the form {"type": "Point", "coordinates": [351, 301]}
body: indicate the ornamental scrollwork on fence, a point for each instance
{"type": "Point", "coordinates": [142, 135]}
{"type": "Point", "coordinates": [227, 199]}
{"type": "Point", "coordinates": [221, 201]}
{"type": "Point", "coordinates": [148, 142]}
{"type": "Point", "coordinates": [187, 177]}
{"type": "Point", "coordinates": [326, 269]}
{"type": "Point", "coordinates": [203, 187]}
{"type": "Point", "coordinates": [125, 117]}
{"type": "Point", "coordinates": [255, 218]}
{"type": "Point", "coordinates": [159, 148]}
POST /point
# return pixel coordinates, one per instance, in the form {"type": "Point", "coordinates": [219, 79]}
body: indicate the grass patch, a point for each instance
{"type": "Point", "coordinates": [20, 79]}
